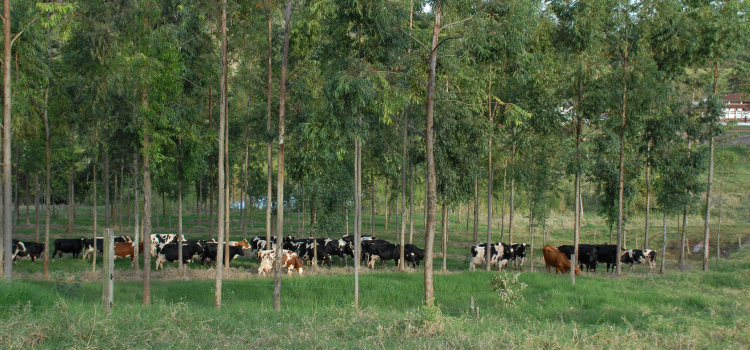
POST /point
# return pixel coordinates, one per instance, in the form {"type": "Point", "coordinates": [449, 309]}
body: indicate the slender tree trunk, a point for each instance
{"type": "Point", "coordinates": [683, 242]}
{"type": "Point", "coordinates": [27, 192]}
{"type": "Point", "coordinates": [93, 213]}
{"type": "Point", "coordinates": [429, 289]}
{"type": "Point", "coordinates": [664, 245]}
{"type": "Point", "coordinates": [48, 181]}
{"type": "Point", "coordinates": [222, 140]}
{"type": "Point", "coordinates": [387, 205]}
{"type": "Point", "coordinates": [36, 206]}
{"type": "Point", "coordinates": [502, 210]}
{"type": "Point", "coordinates": [280, 163]}
{"type": "Point", "coordinates": [71, 184]}
{"type": "Point", "coordinates": [269, 175]}
{"type": "Point", "coordinates": [227, 176]}
{"type": "Point", "coordinates": [621, 180]}
{"type": "Point", "coordinates": [5, 248]}
{"type": "Point", "coordinates": [707, 217]}
{"type": "Point", "coordinates": [577, 207]}
{"type": "Point", "coordinates": [107, 212]}
{"type": "Point", "coordinates": [357, 209]}
{"type": "Point", "coordinates": [403, 194]}
{"type": "Point", "coordinates": [411, 201]}
{"type": "Point", "coordinates": [210, 206]}
{"type": "Point", "coordinates": [199, 202]}
{"type": "Point", "coordinates": [512, 191]}
{"type": "Point", "coordinates": [648, 197]}
{"type": "Point", "coordinates": [444, 242]}
{"type": "Point", "coordinates": [180, 265]}
{"type": "Point", "coordinates": [137, 214]}
{"type": "Point", "coordinates": [146, 205]}
{"type": "Point", "coordinates": [122, 189]}
{"type": "Point", "coordinates": [490, 179]}
{"type": "Point", "coordinates": [531, 234]}
{"type": "Point", "coordinates": [372, 204]}
{"type": "Point", "coordinates": [476, 210]}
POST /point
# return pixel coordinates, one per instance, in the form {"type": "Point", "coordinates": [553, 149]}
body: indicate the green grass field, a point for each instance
{"type": "Point", "coordinates": [641, 309]}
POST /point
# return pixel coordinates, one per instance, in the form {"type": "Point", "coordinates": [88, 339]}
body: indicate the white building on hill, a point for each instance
{"type": "Point", "coordinates": [736, 107]}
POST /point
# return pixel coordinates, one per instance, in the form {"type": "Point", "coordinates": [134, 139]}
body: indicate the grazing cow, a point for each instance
{"type": "Point", "coordinates": [289, 261]}
{"type": "Point", "coordinates": [386, 252]}
{"type": "Point", "coordinates": [607, 253]}
{"type": "Point", "coordinates": [587, 254]}
{"type": "Point", "coordinates": [554, 258]}
{"type": "Point", "coordinates": [210, 252]}
{"type": "Point", "coordinates": [158, 240]}
{"type": "Point", "coordinates": [479, 255]}
{"type": "Point", "coordinates": [31, 249]}
{"type": "Point", "coordinates": [243, 243]}
{"type": "Point", "coordinates": [68, 245]}
{"type": "Point", "coordinates": [126, 250]}
{"type": "Point", "coordinates": [331, 246]}
{"type": "Point", "coordinates": [306, 253]}
{"type": "Point", "coordinates": [638, 256]}
{"type": "Point", "coordinates": [89, 246]}
{"type": "Point", "coordinates": [418, 254]}
{"type": "Point", "coordinates": [170, 253]}
{"type": "Point", "coordinates": [519, 254]}
{"type": "Point", "coordinates": [367, 247]}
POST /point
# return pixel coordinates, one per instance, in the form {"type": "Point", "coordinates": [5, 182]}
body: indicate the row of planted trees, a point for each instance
{"type": "Point", "coordinates": [181, 98]}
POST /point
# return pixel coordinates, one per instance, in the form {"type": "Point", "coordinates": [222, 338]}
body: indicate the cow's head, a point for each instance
{"type": "Point", "coordinates": [327, 260]}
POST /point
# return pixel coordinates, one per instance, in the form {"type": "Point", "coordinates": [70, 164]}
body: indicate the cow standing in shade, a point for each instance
{"type": "Point", "coordinates": [638, 256]}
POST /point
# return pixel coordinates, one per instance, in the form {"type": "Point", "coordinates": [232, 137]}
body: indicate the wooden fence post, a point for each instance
{"type": "Point", "coordinates": [572, 269]}
{"type": "Point", "coordinates": [108, 270]}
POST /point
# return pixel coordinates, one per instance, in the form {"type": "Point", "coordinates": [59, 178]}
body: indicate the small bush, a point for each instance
{"type": "Point", "coordinates": [508, 288]}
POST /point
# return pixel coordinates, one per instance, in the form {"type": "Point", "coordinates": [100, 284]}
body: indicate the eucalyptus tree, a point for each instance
{"type": "Point", "coordinates": [721, 33]}
{"type": "Point", "coordinates": [581, 34]}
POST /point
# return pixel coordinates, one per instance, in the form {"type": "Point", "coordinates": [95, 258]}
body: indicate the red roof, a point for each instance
{"type": "Point", "coordinates": [736, 97]}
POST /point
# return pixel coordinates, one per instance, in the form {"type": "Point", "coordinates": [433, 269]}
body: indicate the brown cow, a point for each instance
{"type": "Point", "coordinates": [554, 258]}
{"type": "Point", "coordinates": [289, 259]}
{"type": "Point", "coordinates": [125, 250]}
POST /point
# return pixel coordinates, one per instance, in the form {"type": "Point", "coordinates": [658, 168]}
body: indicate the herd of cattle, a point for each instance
{"type": "Point", "coordinates": [589, 255]}
{"type": "Point", "coordinates": [164, 247]}
{"type": "Point", "coordinates": [295, 252]}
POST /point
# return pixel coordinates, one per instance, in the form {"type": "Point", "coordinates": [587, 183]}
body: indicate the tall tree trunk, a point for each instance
{"type": "Point", "coordinates": [146, 205]}
{"type": "Point", "coordinates": [180, 265]}
{"type": "Point", "coordinates": [36, 206]}
{"type": "Point", "coordinates": [577, 207]}
{"type": "Point", "coordinates": [94, 224]}
{"type": "Point", "coordinates": [403, 194]}
{"type": "Point", "coordinates": [222, 140]}
{"type": "Point", "coordinates": [48, 175]}
{"type": "Point", "coordinates": [71, 184]}
{"type": "Point", "coordinates": [122, 189]}
{"type": "Point", "coordinates": [244, 193]}
{"type": "Point", "coordinates": [372, 204]}
{"type": "Point", "coordinates": [27, 192]}
{"type": "Point", "coordinates": [664, 245]}
{"type": "Point", "coordinates": [444, 241]}
{"type": "Point", "coordinates": [621, 180]}
{"type": "Point", "coordinates": [531, 234]}
{"type": "Point", "coordinates": [411, 201]}
{"type": "Point", "coordinates": [5, 247]}
{"type": "Point", "coordinates": [502, 210]}
{"type": "Point", "coordinates": [512, 190]}
{"type": "Point", "coordinates": [476, 210]}
{"type": "Point", "coordinates": [387, 205]}
{"type": "Point", "coordinates": [227, 178]}
{"type": "Point", "coordinates": [490, 178]}
{"type": "Point", "coordinates": [280, 163]}
{"type": "Point", "coordinates": [429, 289]}
{"type": "Point", "coordinates": [648, 196]}
{"type": "Point", "coordinates": [199, 201]}
{"type": "Point", "coordinates": [357, 209]}
{"type": "Point", "coordinates": [707, 217]}
{"type": "Point", "coordinates": [269, 175]}
{"type": "Point", "coordinates": [210, 206]}
{"type": "Point", "coordinates": [107, 223]}
{"type": "Point", "coordinates": [137, 213]}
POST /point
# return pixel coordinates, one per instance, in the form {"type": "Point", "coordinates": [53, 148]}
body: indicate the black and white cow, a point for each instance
{"type": "Point", "coordinates": [68, 245]}
{"type": "Point", "coordinates": [31, 249]}
{"type": "Point", "coordinates": [170, 253]}
{"type": "Point", "coordinates": [588, 254]}
{"type": "Point", "coordinates": [306, 253]}
{"type": "Point", "coordinates": [18, 249]}
{"type": "Point", "coordinates": [368, 248]}
{"type": "Point", "coordinates": [638, 256]}
{"type": "Point", "coordinates": [500, 254]}
{"type": "Point", "coordinates": [418, 254]}
{"type": "Point", "coordinates": [519, 254]}
{"type": "Point", "coordinates": [386, 252]}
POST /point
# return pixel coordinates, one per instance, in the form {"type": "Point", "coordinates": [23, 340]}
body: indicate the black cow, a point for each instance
{"type": "Point", "coordinates": [587, 254]}
{"type": "Point", "coordinates": [368, 248]}
{"type": "Point", "coordinates": [608, 254]}
{"type": "Point", "coordinates": [68, 245]}
{"type": "Point", "coordinates": [638, 256]}
{"type": "Point", "coordinates": [88, 248]}
{"type": "Point", "coordinates": [170, 253]}
{"type": "Point", "coordinates": [306, 253]}
{"type": "Point", "coordinates": [418, 253]}
{"type": "Point", "coordinates": [211, 251]}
